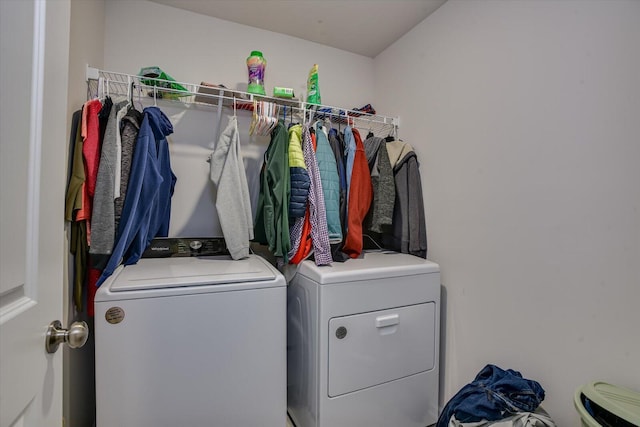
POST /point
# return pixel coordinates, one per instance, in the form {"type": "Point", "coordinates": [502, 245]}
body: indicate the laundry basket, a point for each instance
{"type": "Point", "coordinates": [602, 404]}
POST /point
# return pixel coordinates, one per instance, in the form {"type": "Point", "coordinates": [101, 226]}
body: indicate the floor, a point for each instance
{"type": "Point", "coordinates": [289, 422]}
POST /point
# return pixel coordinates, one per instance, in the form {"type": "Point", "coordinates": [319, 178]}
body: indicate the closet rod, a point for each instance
{"type": "Point", "coordinates": [119, 84]}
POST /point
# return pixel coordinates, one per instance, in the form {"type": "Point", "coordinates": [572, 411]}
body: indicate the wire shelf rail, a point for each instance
{"type": "Point", "coordinates": [102, 83]}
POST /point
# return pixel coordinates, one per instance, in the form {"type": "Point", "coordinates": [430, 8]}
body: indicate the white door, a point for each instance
{"type": "Point", "coordinates": [34, 49]}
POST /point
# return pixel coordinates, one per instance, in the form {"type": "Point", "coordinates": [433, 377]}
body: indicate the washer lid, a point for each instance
{"type": "Point", "coordinates": [371, 265]}
{"type": "Point", "coordinates": [157, 273]}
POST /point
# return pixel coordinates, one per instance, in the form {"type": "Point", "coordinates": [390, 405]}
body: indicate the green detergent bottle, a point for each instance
{"type": "Point", "coordinates": [256, 65]}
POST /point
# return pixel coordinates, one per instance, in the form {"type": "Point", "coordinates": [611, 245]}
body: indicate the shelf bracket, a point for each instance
{"type": "Point", "coordinates": [92, 73]}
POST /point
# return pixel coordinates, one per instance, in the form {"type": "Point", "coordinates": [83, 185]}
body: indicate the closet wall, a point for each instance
{"type": "Point", "coordinates": [526, 115]}
{"type": "Point", "coordinates": [194, 48]}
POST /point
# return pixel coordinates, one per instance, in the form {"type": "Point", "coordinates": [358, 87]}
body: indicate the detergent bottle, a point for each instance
{"type": "Point", "coordinates": [256, 65]}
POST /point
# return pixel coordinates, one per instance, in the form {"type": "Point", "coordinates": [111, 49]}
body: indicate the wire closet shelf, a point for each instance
{"type": "Point", "coordinates": [110, 83]}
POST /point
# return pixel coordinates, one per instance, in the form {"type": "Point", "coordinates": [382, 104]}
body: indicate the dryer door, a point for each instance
{"type": "Point", "coordinates": [373, 348]}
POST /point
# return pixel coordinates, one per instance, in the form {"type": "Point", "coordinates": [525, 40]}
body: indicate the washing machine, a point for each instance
{"type": "Point", "coordinates": [194, 341]}
{"type": "Point", "coordinates": [363, 342]}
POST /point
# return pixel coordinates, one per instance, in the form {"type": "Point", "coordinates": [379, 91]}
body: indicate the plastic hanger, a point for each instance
{"type": "Point", "coordinates": [275, 113]}
{"type": "Point", "coordinates": [392, 135]}
{"type": "Point", "coordinates": [258, 117]}
{"type": "Point", "coordinates": [254, 118]}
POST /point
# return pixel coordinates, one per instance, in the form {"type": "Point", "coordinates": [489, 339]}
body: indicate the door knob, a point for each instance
{"type": "Point", "coordinates": [76, 336]}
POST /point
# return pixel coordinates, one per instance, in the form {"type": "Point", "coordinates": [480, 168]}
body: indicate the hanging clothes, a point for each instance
{"type": "Point", "coordinates": [330, 184]}
{"type": "Point", "coordinates": [103, 213]}
{"type": "Point", "coordinates": [298, 174]}
{"type": "Point", "coordinates": [148, 200]}
{"type": "Point", "coordinates": [312, 231]}
{"type": "Point", "coordinates": [383, 183]}
{"type": "Point", "coordinates": [371, 147]}
{"type": "Point", "coordinates": [73, 203]}
{"type": "Point", "coordinates": [301, 242]}
{"type": "Point", "coordinates": [93, 126]}
{"type": "Point", "coordinates": [129, 134]}
{"type": "Point", "coordinates": [91, 157]}
{"type": "Point", "coordinates": [408, 233]}
{"type": "Point", "coordinates": [157, 222]}
{"type": "Point", "coordinates": [162, 127]}
{"type": "Point", "coordinates": [232, 200]}
{"type": "Point", "coordinates": [118, 167]}
{"type": "Point", "coordinates": [337, 146]}
{"type": "Point", "coordinates": [272, 217]}
{"type": "Point", "coordinates": [349, 156]}
{"type": "Point", "coordinates": [103, 117]}
{"type": "Point", "coordinates": [360, 195]}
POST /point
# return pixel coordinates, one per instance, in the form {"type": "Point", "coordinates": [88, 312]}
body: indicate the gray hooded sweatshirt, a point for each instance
{"type": "Point", "coordinates": [232, 202]}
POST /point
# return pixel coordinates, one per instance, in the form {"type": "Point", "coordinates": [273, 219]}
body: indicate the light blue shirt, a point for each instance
{"type": "Point", "coordinates": [349, 154]}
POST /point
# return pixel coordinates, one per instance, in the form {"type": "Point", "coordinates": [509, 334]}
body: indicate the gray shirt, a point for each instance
{"type": "Point", "coordinates": [103, 214]}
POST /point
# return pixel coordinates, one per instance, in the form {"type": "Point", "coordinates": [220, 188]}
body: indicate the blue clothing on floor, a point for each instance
{"type": "Point", "coordinates": [493, 395]}
{"type": "Point", "coordinates": [147, 205]}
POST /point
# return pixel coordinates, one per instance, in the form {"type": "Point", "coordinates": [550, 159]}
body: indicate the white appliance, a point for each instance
{"type": "Point", "coordinates": [363, 342]}
{"type": "Point", "coordinates": [191, 342]}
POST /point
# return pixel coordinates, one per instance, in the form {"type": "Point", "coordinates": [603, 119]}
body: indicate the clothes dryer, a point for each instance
{"type": "Point", "coordinates": [191, 342]}
{"type": "Point", "coordinates": [363, 342]}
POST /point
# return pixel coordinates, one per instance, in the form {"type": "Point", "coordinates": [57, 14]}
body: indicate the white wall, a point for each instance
{"type": "Point", "coordinates": [526, 118]}
{"type": "Point", "coordinates": [194, 48]}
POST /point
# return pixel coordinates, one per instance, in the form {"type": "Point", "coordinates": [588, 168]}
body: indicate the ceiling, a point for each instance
{"type": "Point", "coordinates": [365, 27]}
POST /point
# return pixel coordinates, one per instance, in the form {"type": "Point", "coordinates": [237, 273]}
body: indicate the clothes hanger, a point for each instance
{"type": "Point", "coordinates": [327, 122]}
{"type": "Point", "coordinates": [254, 118]}
{"type": "Point", "coordinates": [100, 88]}
{"type": "Point", "coordinates": [129, 91]}
{"type": "Point", "coordinates": [235, 113]}
{"type": "Point", "coordinates": [261, 118]}
{"type": "Point", "coordinates": [370, 134]}
{"type": "Point", "coordinates": [130, 88]}
{"type": "Point", "coordinates": [391, 136]}
{"type": "Point", "coordinates": [275, 110]}
{"type": "Point", "coordinates": [276, 119]}
{"type": "Point", "coordinates": [266, 118]}
{"type": "Point", "coordinates": [347, 118]}
{"type": "Point", "coordinates": [139, 87]}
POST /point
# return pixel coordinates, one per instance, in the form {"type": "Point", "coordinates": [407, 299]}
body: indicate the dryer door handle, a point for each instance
{"type": "Point", "coordinates": [387, 320]}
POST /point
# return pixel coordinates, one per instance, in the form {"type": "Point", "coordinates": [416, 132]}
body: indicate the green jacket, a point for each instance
{"type": "Point", "coordinates": [272, 219]}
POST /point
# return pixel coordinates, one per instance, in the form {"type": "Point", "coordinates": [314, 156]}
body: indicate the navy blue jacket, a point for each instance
{"type": "Point", "coordinates": [147, 205]}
